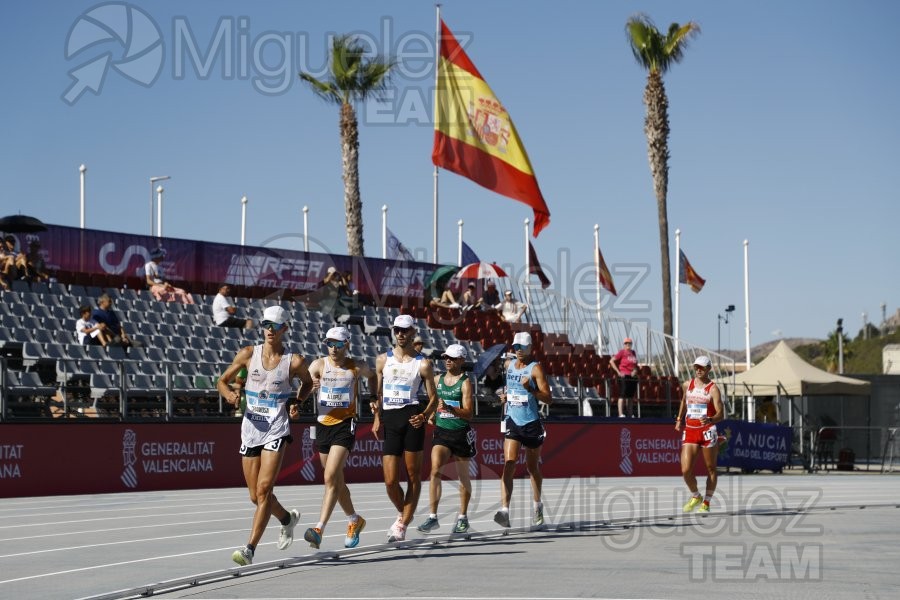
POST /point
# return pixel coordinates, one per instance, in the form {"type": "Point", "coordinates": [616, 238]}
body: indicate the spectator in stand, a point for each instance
{"type": "Point", "coordinates": [8, 270]}
{"type": "Point", "coordinates": [109, 323]}
{"type": "Point", "coordinates": [491, 297]}
{"type": "Point", "coordinates": [448, 300]}
{"type": "Point", "coordinates": [88, 331]}
{"type": "Point", "coordinates": [32, 266]}
{"type": "Point", "coordinates": [494, 377]}
{"type": "Point", "coordinates": [468, 300]}
{"type": "Point", "coordinates": [419, 345]}
{"type": "Point", "coordinates": [625, 364]}
{"type": "Point", "coordinates": [510, 310]}
{"type": "Point", "coordinates": [223, 310]}
{"type": "Point", "coordinates": [159, 286]}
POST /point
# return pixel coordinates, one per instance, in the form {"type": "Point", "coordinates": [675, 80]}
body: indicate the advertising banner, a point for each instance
{"type": "Point", "coordinates": [755, 446]}
{"type": "Point", "coordinates": [51, 459]}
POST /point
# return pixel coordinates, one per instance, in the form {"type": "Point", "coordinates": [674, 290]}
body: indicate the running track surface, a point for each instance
{"type": "Point", "coordinates": [802, 536]}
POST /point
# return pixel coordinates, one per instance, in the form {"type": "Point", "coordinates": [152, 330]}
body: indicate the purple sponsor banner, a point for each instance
{"type": "Point", "coordinates": [90, 251]}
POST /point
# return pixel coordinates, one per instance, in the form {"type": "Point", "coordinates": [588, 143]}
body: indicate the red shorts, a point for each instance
{"type": "Point", "coordinates": [706, 437]}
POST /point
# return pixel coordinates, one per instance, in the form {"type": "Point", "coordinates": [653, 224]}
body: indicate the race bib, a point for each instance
{"type": "Point", "coordinates": [710, 434]}
{"type": "Point", "coordinates": [397, 394]}
{"type": "Point", "coordinates": [334, 397]}
{"type": "Point", "coordinates": [517, 399]}
{"type": "Point", "coordinates": [696, 411]}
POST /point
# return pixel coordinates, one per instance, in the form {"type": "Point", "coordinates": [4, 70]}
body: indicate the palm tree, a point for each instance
{"type": "Point", "coordinates": [352, 78]}
{"type": "Point", "coordinates": [656, 53]}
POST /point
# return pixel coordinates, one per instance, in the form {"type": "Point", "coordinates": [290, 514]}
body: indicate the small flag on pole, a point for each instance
{"type": "Point", "coordinates": [396, 250]}
{"type": "Point", "coordinates": [468, 255]}
{"type": "Point", "coordinates": [603, 274]}
{"type": "Point", "coordinates": [534, 267]}
{"type": "Point", "coordinates": [688, 275]}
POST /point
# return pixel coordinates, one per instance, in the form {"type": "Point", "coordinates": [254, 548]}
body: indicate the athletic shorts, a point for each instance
{"type": "Point", "coordinates": [340, 434]}
{"type": "Point", "coordinates": [273, 446]}
{"type": "Point", "coordinates": [461, 442]}
{"type": "Point", "coordinates": [399, 435]}
{"type": "Point", "coordinates": [530, 435]}
{"type": "Point", "coordinates": [706, 437]}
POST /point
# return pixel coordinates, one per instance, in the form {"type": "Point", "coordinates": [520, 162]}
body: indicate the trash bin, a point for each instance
{"type": "Point", "coordinates": [846, 457]}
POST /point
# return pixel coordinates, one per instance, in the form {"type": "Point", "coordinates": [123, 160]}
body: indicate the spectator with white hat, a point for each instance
{"type": "Point", "coordinates": [335, 384]}
{"type": "Point", "coordinates": [265, 427]}
{"type": "Point", "coordinates": [526, 387]}
{"type": "Point", "coordinates": [400, 371]}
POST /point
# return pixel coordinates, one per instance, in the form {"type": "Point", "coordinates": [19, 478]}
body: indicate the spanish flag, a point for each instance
{"type": "Point", "coordinates": [604, 276]}
{"type": "Point", "coordinates": [474, 136]}
{"type": "Point", "coordinates": [688, 275]}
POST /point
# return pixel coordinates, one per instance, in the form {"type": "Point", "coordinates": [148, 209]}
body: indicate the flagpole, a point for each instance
{"type": "Point", "coordinates": [384, 232]}
{"type": "Point", "coordinates": [459, 250]}
{"type": "Point", "coordinates": [677, 295]}
{"type": "Point", "coordinates": [306, 229]}
{"type": "Point", "coordinates": [747, 299]}
{"type": "Point", "coordinates": [527, 267]}
{"type": "Point", "coordinates": [437, 60]}
{"type": "Point", "coordinates": [751, 404]}
{"type": "Point", "coordinates": [597, 264]}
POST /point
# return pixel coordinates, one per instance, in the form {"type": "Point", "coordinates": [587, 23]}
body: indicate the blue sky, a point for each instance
{"type": "Point", "coordinates": [783, 118]}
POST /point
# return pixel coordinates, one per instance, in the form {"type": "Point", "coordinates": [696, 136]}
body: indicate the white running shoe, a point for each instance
{"type": "Point", "coordinates": [286, 537]}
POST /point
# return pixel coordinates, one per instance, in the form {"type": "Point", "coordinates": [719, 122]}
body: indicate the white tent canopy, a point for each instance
{"type": "Point", "coordinates": [784, 373]}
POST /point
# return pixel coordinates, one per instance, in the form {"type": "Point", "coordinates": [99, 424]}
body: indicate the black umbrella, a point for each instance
{"type": "Point", "coordinates": [486, 358]}
{"type": "Point", "coordinates": [21, 224]}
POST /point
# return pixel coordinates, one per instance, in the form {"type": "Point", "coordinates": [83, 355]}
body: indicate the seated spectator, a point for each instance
{"type": "Point", "coordinates": [109, 323]}
{"type": "Point", "coordinates": [448, 300]}
{"type": "Point", "coordinates": [491, 297]}
{"type": "Point", "coordinates": [159, 286]}
{"type": "Point", "coordinates": [418, 345]}
{"type": "Point", "coordinates": [494, 376]}
{"type": "Point", "coordinates": [223, 310]}
{"type": "Point", "coordinates": [32, 266]}
{"type": "Point", "coordinates": [8, 270]}
{"type": "Point", "coordinates": [510, 310]}
{"type": "Point", "coordinates": [89, 331]}
{"type": "Point", "coordinates": [468, 300]}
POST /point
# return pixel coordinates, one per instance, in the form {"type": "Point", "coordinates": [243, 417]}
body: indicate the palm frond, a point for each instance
{"type": "Point", "coordinates": [676, 41]}
{"type": "Point", "coordinates": [323, 89]}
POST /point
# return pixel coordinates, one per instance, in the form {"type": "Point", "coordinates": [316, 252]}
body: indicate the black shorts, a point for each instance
{"type": "Point", "coordinates": [628, 387]}
{"type": "Point", "coordinates": [461, 442]}
{"type": "Point", "coordinates": [530, 435]}
{"type": "Point", "coordinates": [399, 435]}
{"type": "Point", "coordinates": [274, 446]}
{"type": "Point", "coordinates": [340, 434]}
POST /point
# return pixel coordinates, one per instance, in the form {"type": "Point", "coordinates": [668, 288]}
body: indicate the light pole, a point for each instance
{"type": "Point", "coordinates": [159, 198]}
{"type": "Point", "coordinates": [152, 181]}
{"type": "Point", "coordinates": [728, 310]}
{"type": "Point", "coordinates": [840, 337]}
{"type": "Point", "coordinates": [82, 169]}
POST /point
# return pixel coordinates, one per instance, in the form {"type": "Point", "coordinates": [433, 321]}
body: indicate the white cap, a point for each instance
{"type": "Point", "coordinates": [455, 351]}
{"type": "Point", "coordinates": [338, 333]}
{"type": "Point", "coordinates": [404, 322]}
{"type": "Point", "coordinates": [523, 337]}
{"type": "Point", "coordinates": [275, 314]}
{"type": "Point", "coordinates": [331, 270]}
{"type": "Point", "coordinates": [703, 361]}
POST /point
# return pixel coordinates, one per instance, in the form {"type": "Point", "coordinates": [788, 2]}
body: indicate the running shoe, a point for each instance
{"type": "Point", "coordinates": [286, 537]}
{"type": "Point", "coordinates": [313, 535]}
{"type": "Point", "coordinates": [353, 531]}
{"type": "Point", "coordinates": [501, 517]}
{"type": "Point", "coordinates": [538, 518]}
{"type": "Point", "coordinates": [243, 557]}
{"type": "Point", "coordinates": [692, 503]}
{"type": "Point", "coordinates": [429, 524]}
{"type": "Point", "coordinates": [462, 525]}
{"type": "Point", "coordinates": [704, 508]}
{"type": "Point", "coordinates": [397, 533]}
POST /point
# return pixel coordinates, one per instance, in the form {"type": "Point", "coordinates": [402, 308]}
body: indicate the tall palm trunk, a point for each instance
{"type": "Point", "coordinates": [350, 165]}
{"type": "Point", "coordinates": [656, 128]}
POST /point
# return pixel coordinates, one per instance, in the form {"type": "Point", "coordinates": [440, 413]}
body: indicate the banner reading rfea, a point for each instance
{"type": "Point", "coordinates": [474, 135]}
